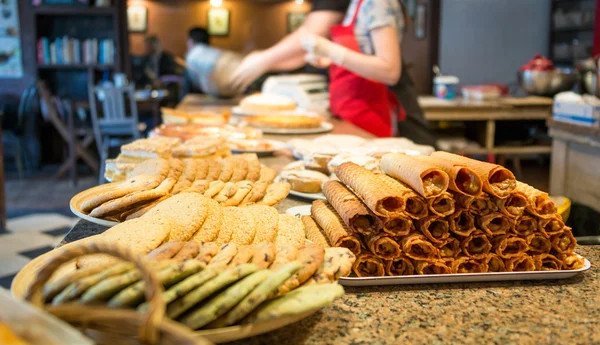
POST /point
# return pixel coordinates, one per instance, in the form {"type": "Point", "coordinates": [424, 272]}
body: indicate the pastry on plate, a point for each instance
{"type": "Point", "coordinates": [304, 181]}
{"type": "Point", "coordinates": [365, 161]}
{"type": "Point", "coordinates": [251, 145]}
{"type": "Point", "coordinates": [173, 116]}
{"type": "Point", "coordinates": [285, 121]}
{"type": "Point", "coordinates": [266, 103]}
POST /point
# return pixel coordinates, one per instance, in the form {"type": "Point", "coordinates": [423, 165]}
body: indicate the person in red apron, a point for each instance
{"type": "Point", "coordinates": [359, 82]}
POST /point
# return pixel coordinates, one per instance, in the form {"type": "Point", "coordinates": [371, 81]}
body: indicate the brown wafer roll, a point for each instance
{"type": "Point", "coordinates": [436, 229]}
{"type": "Point", "coordinates": [367, 265]}
{"type": "Point", "coordinates": [508, 247]}
{"type": "Point", "coordinates": [449, 249]}
{"type": "Point", "coordinates": [483, 205]}
{"type": "Point", "coordinates": [476, 245]}
{"type": "Point", "coordinates": [538, 243]}
{"type": "Point", "coordinates": [431, 267]}
{"type": "Point", "coordinates": [463, 202]}
{"type": "Point", "coordinates": [383, 246]}
{"type": "Point", "coordinates": [564, 243]}
{"type": "Point", "coordinates": [551, 226]}
{"type": "Point", "coordinates": [519, 264]}
{"type": "Point", "coordinates": [497, 180]}
{"type": "Point", "coordinates": [493, 263]}
{"type": "Point", "coordinates": [416, 206]}
{"type": "Point", "coordinates": [397, 226]}
{"type": "Point", "coordinates": [465, 264]}
{"type": "Point", "coordinates": [572, 261]}
{"type": "Point", "coordinates": [442, 205]}
{"type": "Point", "coordinates": [314, 233]}
{"type": "Point", "coordinates": [494, 224]}
{"type": "Point", "coordinates": [425, 178]}
{"type": "Point", "coordinates": [513, 206]}
{"type": "Point", "coordinates": [371, 190]}
{"type": "Point", "coordinates": [462, 223]}
{"type": "Point", "coordinates": [462, 179]}
{"type": "Point", "coordinates": [338, 233]}
{"type": "Point", "coordinates": [547, 262]}
{"type": "Point", "coordinates": [401, 266]}
{"type": "Point", "coordinates": [524, 226]}
{"type": "Point", "coordinates": [538, 203]}
{"type": "Point", "coordinates": [418, 247]}
{"type": "Point", "coordinates": [355, 214]}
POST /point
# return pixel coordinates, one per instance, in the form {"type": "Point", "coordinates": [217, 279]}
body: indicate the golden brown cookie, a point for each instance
{"type": "Point", "coordinates": [267, 221]}
{"type": "Point", "coordinates": [214, 188]}
{"type": "Point", "coordinates": [189, 210]}
{"type": "Point", "coordinates": [134, 184]}
{"type": "Point", "coordinates": [189, 251]}
{"type": "Point", "coordinates": [253, 166]}
{"type": "Point", "coordinates": [228, 191]}
{"type": "Point", "coordinates": [275, 193]}
{"type": "Point", "coordinates": [290, 231]}
{"type": "Point", "coordinates": [311, 257]}
{"type": "Point", "coordinates": [242, 221]}
{"type": "Point", "coordinates": [267, 174]}
{"type": "Point", "coordinates": [264, 254]}
{"type": "Point", "coordinates": [256, 193]}
{"type": "Point", "coordinates": [214, 170]}
{"type": "Point", "coordinates": [176, 166]}
{"type": "Point", "coordinates": [243, 256]}
{"type": "Point", "coordinates": [201, 169]}
{"type": "Point", "coordinates": [243, 188]}
{"type": "Point", "coordinates": [285, 254]}
{"type": "Point", "coordinates": [240, 171]}
{"type": "Point", "coordinates": [227, 168]}
{"type": "Point", "coordinates": [212, 225]}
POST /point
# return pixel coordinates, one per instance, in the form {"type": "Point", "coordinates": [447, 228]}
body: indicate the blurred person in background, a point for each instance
{"type": "Point", "coordinates": [366, 55]}
{"type": "Point", "coordinates": [158, 62]}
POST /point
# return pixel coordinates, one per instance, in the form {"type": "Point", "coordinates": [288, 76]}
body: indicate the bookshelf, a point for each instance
{"type": "Point", "coordinates": [64, 58]}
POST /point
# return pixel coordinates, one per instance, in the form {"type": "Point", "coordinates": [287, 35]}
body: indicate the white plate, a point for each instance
{"type": "Point", "coordinates": [298, 211]}
{"type": "Point", "coordinates": [277, 145]}
{"type": "Point", "coordinates": [463, 278]}
{"type": "Point", "coordinates": [238, 111]}
{"type": "Point", "coordinates": [309, 196]}
{"type": "Point", "coordinates": [324, 128]}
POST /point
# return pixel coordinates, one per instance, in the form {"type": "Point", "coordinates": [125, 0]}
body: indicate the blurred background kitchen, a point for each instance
{"type": "Point", "coordinates": [486, 72]}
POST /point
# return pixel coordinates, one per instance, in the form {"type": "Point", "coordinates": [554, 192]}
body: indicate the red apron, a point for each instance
{"type": "Point", "coordinates": [367, 104]}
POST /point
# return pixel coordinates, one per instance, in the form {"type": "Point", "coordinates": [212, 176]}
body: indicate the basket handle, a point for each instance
{"type": "Point", "coordinates": [153, 291]}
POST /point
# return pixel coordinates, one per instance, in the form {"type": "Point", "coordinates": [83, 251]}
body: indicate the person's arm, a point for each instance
{"type": "Point", "coordinates": [384, 66]}
{"type": "Point", "coordinates": [288, 53]}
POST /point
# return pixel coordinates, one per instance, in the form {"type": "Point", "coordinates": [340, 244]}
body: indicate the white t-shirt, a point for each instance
{"type": "Point", "coordinates": [372, 15]}
{"type": "Point", "coordinates": [201, 61]}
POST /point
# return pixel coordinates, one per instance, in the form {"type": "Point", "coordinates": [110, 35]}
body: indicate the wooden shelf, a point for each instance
{"type": "Point", "coordinates": [74, 10]}
{"type": "Point", "coordinates": [74, 66]}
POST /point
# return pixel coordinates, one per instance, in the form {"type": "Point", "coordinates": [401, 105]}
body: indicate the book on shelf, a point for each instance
{"type": "Point", "coordinates": [71, 51]}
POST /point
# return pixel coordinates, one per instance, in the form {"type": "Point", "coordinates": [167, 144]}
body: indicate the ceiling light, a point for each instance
{"type": "Point", "coordinates": [299, 2]}
{"type": "Point", "coordinates": [216, 3]}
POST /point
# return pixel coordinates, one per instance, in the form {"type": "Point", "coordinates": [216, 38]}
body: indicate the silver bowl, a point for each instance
{"type": "Point", "coordinates": [590, 83]}
{"type": "Point", "coordinates": [547, 83]}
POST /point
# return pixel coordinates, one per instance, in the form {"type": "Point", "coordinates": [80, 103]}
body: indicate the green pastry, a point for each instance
{"type": "Point", "coordinates": [200, 293]}
{"type": "Point", "coordinates": [296, 302]}
{"type": "Point", "coordinates": [258, 295]}
{"type": "Point", "coordinates": [134, 294]}
{"type": "Point", "coordinates": [223, 302]}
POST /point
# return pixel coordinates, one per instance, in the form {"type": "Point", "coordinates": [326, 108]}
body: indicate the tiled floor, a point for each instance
{"type": "Point", "coordinates": [28, 237]}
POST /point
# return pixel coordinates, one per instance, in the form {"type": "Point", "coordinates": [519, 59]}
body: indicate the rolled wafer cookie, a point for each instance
{"type": "Point", "coordinates": [494, 224]}
{"type": "Point", "coordinates": [432, 267]}
{"type": "Point", "coordinates": [514, 205]}
{"type": "Point", "coordinates": [493, 263]}
{"type": "Point", "coordinates": [425, 178]}
{"type": "Point", "coordinates": [509, 246]}
{"type": "Point", "coordinates": [368, 265]}
{"type": "Point", "coordinates": [462, 179]}
{"type": "Point", "coordinates": [538, 243]}
{"type": "Point", "coordinates": [398, 226]}
{"type": "Point", "coordinates": [551, 226]}
{"type": "Point", "coordinates": [442, 205]}
{"type": "Point", "coordinates": [497, 180]}
{"type": "Point", "coordinates": [207, 251]}
{"type": "Point", "coordinates": [436, 229]}
{"type": "Point", "coordinates": [462, 223]}
{"type": "Point", "coordinates": [520, 264]}
{"type": "Point", "coordinates": [351, 209]}
{"type": "Point", "coordinates": [383, 246]}
{"type": "Point", "coordinates": [418, 247]}
{"type": "Point", "coordinates": [416, 205]}
{"type": "Point", "coordinates": [564, 243]}
{"type": "Point", "coordinates": [263, 254]}
{"type": "Point", "coordinates": [338, 233]}
{"type": "Point", "coordinates": [547, 262]}
{"type": "Point", "coordinates": [483, 205]}
{"type": "Point", "coordinates": [571, 261]}
{"type": "Point", "coordinates": [314, 233]}
{"type": "Point", "coordinates": [400, 266]}
{"type": "Point", "coordinates": [449, 249]}
{"type": "Point", "coordinates": [465, 264]}
{"type": "Point", "coordinates": [371, 190]}
{"type": "Point", "coordinates": [524, 226]}
{"type": "Point", "coordinates": [476, 245]}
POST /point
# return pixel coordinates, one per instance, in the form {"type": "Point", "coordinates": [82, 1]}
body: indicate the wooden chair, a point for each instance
{"type": "Point", "coordinates": [117, 125]}
{"type": "Point", "coordinates": [77, 148]}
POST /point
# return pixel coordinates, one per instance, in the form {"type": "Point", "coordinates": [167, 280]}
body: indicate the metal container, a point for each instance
{"type": "Point", "coordinates": [590, 83]}
{"type": "Point", "coordinates": [548, 83]}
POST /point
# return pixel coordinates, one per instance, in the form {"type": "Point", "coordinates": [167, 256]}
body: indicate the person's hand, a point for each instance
{"type": "Point", "coordinates": [319, 47]}
{"type": "Point", "coordinates": [251, 68]}
{"type": "Point", "coordinates": [318, 62]}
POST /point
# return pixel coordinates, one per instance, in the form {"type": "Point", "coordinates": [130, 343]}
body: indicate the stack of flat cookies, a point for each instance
{"type": "Point", "coordinates": [163, 147]}
{"type": "Point", "coordinates": [233, 181]}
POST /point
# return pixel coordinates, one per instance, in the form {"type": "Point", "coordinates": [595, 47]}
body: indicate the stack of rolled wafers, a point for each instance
{"type": "Point", "coordinates": [234, 181]}
{"type": "Point", "coordinates": [442, 214]}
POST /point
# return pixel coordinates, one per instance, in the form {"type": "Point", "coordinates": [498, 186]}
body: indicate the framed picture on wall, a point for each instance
{"type": "Point", "coordinates": [295, 20]}
{"type": "Point", "coordinates": [137, 19]}
{"type": "Point", "coordinates": [218, 22]}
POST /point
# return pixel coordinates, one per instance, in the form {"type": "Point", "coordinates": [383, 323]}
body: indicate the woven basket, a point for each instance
{"type": "Point", "coordinates": [115, 326]}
